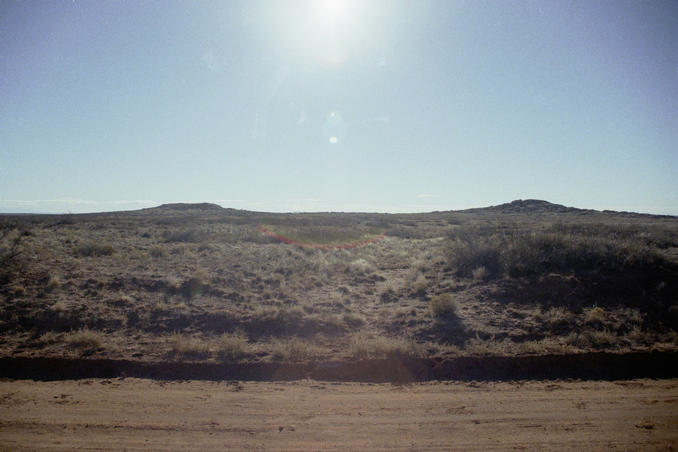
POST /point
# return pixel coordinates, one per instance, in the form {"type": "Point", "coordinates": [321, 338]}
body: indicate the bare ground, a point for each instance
{"type": "Point", "coordinates": [136, 414]}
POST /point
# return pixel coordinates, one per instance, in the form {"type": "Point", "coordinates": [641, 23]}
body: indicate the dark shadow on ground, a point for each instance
{"type": "Point", "coordinates": [590, 366]}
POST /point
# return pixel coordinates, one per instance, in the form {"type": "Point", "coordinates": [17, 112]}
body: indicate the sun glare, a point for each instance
{"type": "Point", "coordinates": [335, 23]}
{"type": "Point", "coordinates": [333, 11]}
{"type": "Point", "coordinates": [327, 31]}
{"type": "Point", "coordinates": [333, 6]}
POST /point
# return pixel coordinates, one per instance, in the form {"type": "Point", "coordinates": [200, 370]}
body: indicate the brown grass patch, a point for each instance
{"type": "Point", "coordinates": [85, 338]}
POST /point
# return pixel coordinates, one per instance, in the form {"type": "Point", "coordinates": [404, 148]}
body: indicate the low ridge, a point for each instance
{"type": "Point", "coordinates": [190, 206]}
{"type": "Point", "coordinates": [532, 205]}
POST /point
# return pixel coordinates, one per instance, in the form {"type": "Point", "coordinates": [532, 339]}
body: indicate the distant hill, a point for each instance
{"type": "Point", "coordinates": [532, 206]}
{"type": "Point", "coordinates": [517, 206]}
{"type": "Point", "coordinates": [528, 206]}
{"type": "Point", "coordinates": [189, 206]}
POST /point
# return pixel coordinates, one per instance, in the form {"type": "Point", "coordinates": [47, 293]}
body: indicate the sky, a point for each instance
{"type": "Point", "coordinates": [338, 105]}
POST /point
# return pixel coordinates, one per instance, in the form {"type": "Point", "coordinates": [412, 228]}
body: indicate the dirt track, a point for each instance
{"type": "Point", "coordinates": [135, 414]}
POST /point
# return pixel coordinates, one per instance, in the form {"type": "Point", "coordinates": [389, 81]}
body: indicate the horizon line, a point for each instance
{"type": "Point", "coordinates": [347, 208]}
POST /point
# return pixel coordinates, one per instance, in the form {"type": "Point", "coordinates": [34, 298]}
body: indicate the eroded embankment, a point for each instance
{"type": "Point", "coordinates": [597, 366]}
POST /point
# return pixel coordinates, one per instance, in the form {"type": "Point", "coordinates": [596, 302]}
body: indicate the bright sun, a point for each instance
{"type": "Point", "coordinates": [334, 24]}
{"type": "Point", "coordinates": [332, 7]}
{"type": "Point", "coordinates": [333, 13]}
{"type": "Point", "coordinates": [326, 31]}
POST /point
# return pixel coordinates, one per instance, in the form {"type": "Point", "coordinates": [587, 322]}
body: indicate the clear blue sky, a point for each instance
{"type": "Point", "coordinates": [396, 106]}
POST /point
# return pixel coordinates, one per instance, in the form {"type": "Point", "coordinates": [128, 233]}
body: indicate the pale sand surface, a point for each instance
{"type": "Point", "coordinates": [141, 414]}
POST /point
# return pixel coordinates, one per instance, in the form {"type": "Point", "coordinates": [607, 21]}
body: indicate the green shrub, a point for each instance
{"type": "Point", "coordinates": [474, 252]}
{"type": "Point", "coordinates": [515, 254]}
{"type": "Point", "coordinates": [531, 254]}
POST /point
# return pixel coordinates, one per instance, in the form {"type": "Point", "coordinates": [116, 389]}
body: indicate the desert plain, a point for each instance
{"type": "Point", "coordinates": [526, 325]}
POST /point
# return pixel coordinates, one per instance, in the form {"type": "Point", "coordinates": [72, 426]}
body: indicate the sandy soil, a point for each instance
{"type": "Point", "coordinates": [136, 414]}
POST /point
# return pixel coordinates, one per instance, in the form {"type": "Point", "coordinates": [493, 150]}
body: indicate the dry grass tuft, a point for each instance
{"type": "Point", "coordinates": [604, 338]}
{"type": "Point", "coordinates": [188, 346]}
{"type": "Point", "coordinates": [195, 286]}
{"type": "Point", "coordinates": [158, 251]}
{"type": "Point", "coordinates": [492, 347]}
{"type": "Point", "coordinates": [53, 283]}
{"type": "Point", "coordinates": [50, 337]}
{"type": "Point", "coordinates": [480, 273]}
{"type": "Point", "coordinates": [596, 315]}
{"type": "Point", "coordinates": [362, 346]}
{"type": "Point", "coordinates": [85, 338]}
{"type": "Point", "coordinates": [18, 290]}
{"type": "Point", "coordinates": [232, 347]}
{"type": "Point", "coordinates": [444, 307]}
{"type": "Point", "coordinates": [594, 339]}
{"type": "Point", "coordinates": [294, 350]}
{"type": "Point", "coordinates": [361, 266]}
{"type": "Point", "coordinates": [59, 306]}
{"type": "Point", "coordinates": [94, 250]}
{"type": "Point", "coordinates": [353, 320]}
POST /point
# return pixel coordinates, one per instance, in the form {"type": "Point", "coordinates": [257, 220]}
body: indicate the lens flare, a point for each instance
{"type": "Point", "coordinates": [334, 127]}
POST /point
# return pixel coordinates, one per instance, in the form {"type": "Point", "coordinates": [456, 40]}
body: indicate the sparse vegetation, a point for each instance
{"type": "Point", "coordinates": [183, 236]}
{"type": "Point", "coordinates": [10, 251]}
{"type": "Point", "coordinates": [497, 281]}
